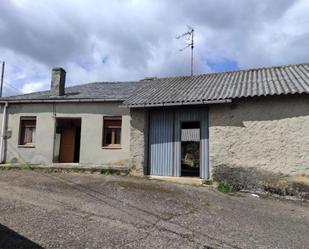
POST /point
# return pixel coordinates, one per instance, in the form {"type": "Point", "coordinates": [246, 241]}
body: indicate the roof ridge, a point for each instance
{"type": "Point", "coordinates": [257, 68]}
{"type": "Point", "coordinates": [232, 71]}
{"type": "Point", "coordinates": [105, 82]}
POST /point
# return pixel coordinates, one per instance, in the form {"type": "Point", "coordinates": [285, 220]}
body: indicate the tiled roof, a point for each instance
{"type": "Point", "coordinates": [98, 90]}
{"type": "Point", "coordinates": [221, 86]}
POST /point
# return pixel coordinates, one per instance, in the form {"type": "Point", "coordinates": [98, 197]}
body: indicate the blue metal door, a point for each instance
{"type": "Point", "coordinates": [161, 136]}
{"type": "Point", "coordinates": [165, 141]}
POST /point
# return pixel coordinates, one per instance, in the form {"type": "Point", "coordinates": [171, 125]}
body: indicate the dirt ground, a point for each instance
{"type": "Point", "coordinates": [71, 210]}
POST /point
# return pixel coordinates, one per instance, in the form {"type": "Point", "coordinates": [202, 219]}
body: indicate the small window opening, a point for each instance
{"type": "Point", "coordinates": [112, 132]}
{"type": "Point", "coordinates": [27, 131]}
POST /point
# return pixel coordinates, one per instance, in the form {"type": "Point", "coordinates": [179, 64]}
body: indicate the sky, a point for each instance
{"type": "Point", "coordinates": [123, 40]}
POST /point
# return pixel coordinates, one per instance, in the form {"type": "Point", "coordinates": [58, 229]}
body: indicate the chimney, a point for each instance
{"type": "Point", "coordinates": [57, 82]}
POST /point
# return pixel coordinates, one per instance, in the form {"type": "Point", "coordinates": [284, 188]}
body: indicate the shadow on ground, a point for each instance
{"type": "Point", "coordinates": [12, 240]}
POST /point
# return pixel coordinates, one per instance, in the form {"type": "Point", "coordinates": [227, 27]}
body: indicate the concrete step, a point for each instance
{"type": "Point", "coordinates": [183, 180]}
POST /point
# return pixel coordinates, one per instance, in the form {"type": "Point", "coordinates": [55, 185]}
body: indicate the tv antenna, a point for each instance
{"type": "Point", "coordinates": [189, 38]}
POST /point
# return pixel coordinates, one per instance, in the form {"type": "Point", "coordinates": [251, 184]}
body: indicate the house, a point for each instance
{"type": "Point", "coordinates": [79, 124]}
{"type": "Point", "coordinates": [255, 122]}
{"type": "Point", "coordinates": [250, 121]}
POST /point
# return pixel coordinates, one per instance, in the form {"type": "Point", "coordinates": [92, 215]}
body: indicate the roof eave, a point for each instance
{"type": "Point", "coordinates": [205, 102]}
{"type": "Point", "coordinates": [21, 101]}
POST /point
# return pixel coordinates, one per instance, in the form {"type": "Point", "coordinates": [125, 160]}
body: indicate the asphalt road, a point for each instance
{"type": "Point", "coordinates": [70, 210]}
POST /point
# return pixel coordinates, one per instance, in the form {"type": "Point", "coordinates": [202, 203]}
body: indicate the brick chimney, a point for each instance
{"type": "Point", "coordinates": [57, 82]}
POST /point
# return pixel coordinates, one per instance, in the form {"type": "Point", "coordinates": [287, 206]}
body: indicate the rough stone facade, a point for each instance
{"type": "Point", "coordinates": [138, 146]}
{"type": "Point", "coordinates": [268, 133]}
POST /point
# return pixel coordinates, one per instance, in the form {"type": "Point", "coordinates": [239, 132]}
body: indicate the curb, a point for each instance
{"type": "Point", "coordinates": [76, 169]}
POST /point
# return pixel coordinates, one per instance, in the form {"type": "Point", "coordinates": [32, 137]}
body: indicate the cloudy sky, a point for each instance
{"type": "Point", "coordinates": [97, 40]}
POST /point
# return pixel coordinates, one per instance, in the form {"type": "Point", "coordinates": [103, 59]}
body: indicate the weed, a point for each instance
{"type": "Point", "coordinates": [27, 167]}
{"type": "Point", "coordinates": [107, 171]}
{"type": "Point", "coordinates": [226, 187]}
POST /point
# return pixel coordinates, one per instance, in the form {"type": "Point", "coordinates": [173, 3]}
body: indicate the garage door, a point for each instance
{"type": "Point", "coordinates": [161, 143]}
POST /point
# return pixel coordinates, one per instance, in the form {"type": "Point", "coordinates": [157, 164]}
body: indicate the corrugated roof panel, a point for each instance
{"type": "Point", "coordinates": [293, 87]}
{"type": "Point", "coordinates": [302, 76]}
{"type": "Point", "coordinates": [237, 84]}
{"type": "Point", "coordinates": [208, 88]}
{"type": "Point", "coordinates": [223, 87]}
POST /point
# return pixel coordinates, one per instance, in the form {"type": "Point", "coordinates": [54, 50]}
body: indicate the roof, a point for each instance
{"type": "Point", "coordinates": [206, 88]}
{"type": "Point", "coordinates": [104, 91]}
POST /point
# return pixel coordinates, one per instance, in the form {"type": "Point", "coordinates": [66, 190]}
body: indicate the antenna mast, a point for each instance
{"type": "Point", "coordinates": [189, 37]}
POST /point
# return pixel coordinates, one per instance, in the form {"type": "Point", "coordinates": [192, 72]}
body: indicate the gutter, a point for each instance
{"type": "Point", "coordinates": [204, 102]}
{"type": "Point", "coordinates": [4, 115]}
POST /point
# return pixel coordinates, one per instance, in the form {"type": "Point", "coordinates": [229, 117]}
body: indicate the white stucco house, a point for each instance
{"type": "Point", "coordinates": [80, 124]}
{"type": "Point", "coordinates": [252, 121]}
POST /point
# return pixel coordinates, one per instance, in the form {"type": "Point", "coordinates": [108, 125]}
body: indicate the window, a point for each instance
{"type": "Point", "coordinates": [112, 132]}
{"type": "Point", "coordinates": [27, 131]}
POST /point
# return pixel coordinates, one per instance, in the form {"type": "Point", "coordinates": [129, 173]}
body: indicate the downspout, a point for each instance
{"type": "Point", "coordinates": [6, 104]}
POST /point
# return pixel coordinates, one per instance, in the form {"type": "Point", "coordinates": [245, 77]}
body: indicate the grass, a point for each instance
{"type": "Point", "coordinates": [107, 171]}
{"type": "Point", "coordinates": [103, 171]}
{"type": "Point", "coordinates": [226, 187]}
{"type": "Point", "coordinates": [27, 167]}
{"type": "Point", "coordinates": [21, 167]}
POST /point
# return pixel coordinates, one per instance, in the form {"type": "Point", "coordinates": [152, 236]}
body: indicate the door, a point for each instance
{"type": "Point", "coordinates": [161, 143]}
{"type": "Point", "coordinates": [67, 145]}
{"type": "Point", "coordinates": [198, 134]}
{"type": "Point", "coordinates": [169, 149]}
{"type": "Point", "coordinates": [190, 148]}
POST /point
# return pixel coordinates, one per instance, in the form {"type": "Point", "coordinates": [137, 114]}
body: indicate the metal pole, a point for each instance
{"type": "Point", "coordinates": [4, 116]}
{"type": "Point", "coordinates": [192, 46]}
{"type": "Point", "coordinates": [2, 75]}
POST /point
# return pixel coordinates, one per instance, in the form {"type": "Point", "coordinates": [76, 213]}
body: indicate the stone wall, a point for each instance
{"type": "Point", "coordinates": [268, 134]}
{"type": "Point", "coordinates": [138, 140]}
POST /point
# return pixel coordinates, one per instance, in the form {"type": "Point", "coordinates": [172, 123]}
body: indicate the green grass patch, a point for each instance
{"type": "Point", "coordinates": [27, 167]}
{"type": "Point", "coordinates": [107, 171]}
{"type": "Point", "coordinates": [226, 187]}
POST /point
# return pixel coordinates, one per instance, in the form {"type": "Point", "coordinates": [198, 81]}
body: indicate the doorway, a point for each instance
{"type": "Point", "coordinates": [190, 148]}
{"type": "Point", "coordinates": [178, 143]}
{"type": "Point", "coordinates": [67, 140]}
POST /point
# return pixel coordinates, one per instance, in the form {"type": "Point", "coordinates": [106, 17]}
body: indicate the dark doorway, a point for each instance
{"type": "Point", "coordinates": [190, 148]}
{"type": "Point", "coordinates": [67, 140]}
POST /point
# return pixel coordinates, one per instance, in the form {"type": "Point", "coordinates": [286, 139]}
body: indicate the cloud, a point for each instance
{"type": "Point", "coordinates": [128, 40]}
{"type": "Point", "coordinates": [31, 87]}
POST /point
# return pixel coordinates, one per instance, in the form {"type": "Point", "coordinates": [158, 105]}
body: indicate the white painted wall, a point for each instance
{"type": "Point", "coordinates": [91, 150]}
